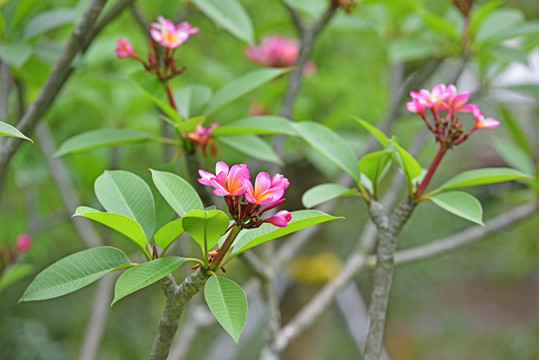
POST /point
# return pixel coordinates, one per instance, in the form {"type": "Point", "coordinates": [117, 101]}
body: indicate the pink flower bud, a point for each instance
{"type": "Point", "coordinates": [281, 219]}
{"type": "Point", "coordinates": [274, 51]}
{"type": "Point", "coordinates": [124, 49]}
{"type": "Point", "coordinates": [24, 243]}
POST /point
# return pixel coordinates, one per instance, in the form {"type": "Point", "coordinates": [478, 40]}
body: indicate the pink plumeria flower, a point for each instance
{"type": "Point", "coordinates": [202, 136]}
{"type": "Point", "coordinates": [24, 243]}
{"type": "Point", "coordinates": [227, 182]}
{"type": "Point", "coordinates": [424, 99]}
{"type": "Point", "coordinates": [281, 219]}
{"type": "Point", "coordinates": [279, 180]}
{"type": "Point", "coordinates": [124, 49]}
{"type": "Point", "coordinates": [169, 35]}
{"type": "Point", "coordinates": [274, 51]}
{"type": "Point", "coordinates": [264, 192]}
{"type": "Point", "coordinates": [457, 102]}
{"type": "Point", "coordinates": [484, 123]}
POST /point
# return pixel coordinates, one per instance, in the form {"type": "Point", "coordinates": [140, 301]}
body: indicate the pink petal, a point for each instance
{"type": "Point", "coordinates": [220, 189]}
{"type": "Point", "coordinates": [205, 177]}
{"type": "Point", "coordinates": [220, 167]}
{"type": "Point", "coordinates": [488, 123]}
{"type": "Point", "coordinates": [262, 183]}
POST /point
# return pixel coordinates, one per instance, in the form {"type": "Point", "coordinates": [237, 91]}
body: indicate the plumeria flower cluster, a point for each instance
{"type": "Point", "coordinates": [247, 203]}
{"type": "Point", "coordinates": [445, 105]}
{"type": "Point", "coordinates": [167, 35]}
{"type": "Point", "coordinates": [277, 51]}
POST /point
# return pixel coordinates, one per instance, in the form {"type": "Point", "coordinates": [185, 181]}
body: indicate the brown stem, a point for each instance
{"type": "Point", "coordinates": [170, 96]}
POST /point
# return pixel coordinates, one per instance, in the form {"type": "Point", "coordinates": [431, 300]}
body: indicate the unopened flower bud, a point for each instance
{"type": "Point", "coordinates": [24, 243]}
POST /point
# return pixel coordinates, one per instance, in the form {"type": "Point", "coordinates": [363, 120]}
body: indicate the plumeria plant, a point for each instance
{"type": "Point", "coordinates": [130, 210]}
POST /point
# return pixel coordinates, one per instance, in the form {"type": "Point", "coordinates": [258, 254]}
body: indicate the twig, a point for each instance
{"type": "Point", "coordinates": [80, 37]}
{"type": "Point", "coordinates": [468, 236]}
{"type": "Point", "coordinates": [5, 90]}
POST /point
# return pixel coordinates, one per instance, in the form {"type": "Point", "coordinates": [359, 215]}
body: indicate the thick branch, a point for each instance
{"type": "Point", "coordinates": [61, 70]}
{"type": "Point", "coordinates": [177, 299]}
{"type": "Point", "coordinates": [388, 232]}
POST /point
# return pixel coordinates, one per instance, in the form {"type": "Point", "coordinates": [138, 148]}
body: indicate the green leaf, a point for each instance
{"type": "Point", "coordinates": [15, 54]}
{"type": "Point", "coordinates": [241, 86]}
{"type": "Point", "coordinates": [24, 7]}
{"type": "Point", "coordinates": [15, 273]}
{"type": "Point", "coordinates": [144, 274]}
{"type": "Point", "coordinates": [481, 11]}
{"type": "Point", "coordinates": [259, 125]}
{"type": "Point", "coordinates": [461, 204]}
{"type": "Point", "coordinates": [155, 90]}
{"type": "Point", "coordinates": [168, 233]}
{"type": "Point", "coordinates": [227, 303]}
{"type": "Point", "coordinates": [515, 130]}
{"type": "Point", "coordinates": [8, 130]}
{"type": "Point", "coordinates": [330, 145]}
{"type": "Point", "coordinates": [409, 165]}
{"type": "Point", "coordinates": [373, 165]}
{"type": "Point", "coordinates": [74, 272]}
{"type": "Point", "coordinates": [125, 193]}
{"type": "Point", "coordinates": [481, 177]}
{"type": "Point", "coordinates": [438, 24]}
{"type": "Point", "coordinates": [411, 49]}
{"type": "Point", "coordinates": [121, 223]}
{"type": "Point", "coordinates": [380, 136]}
{"type": "Point", "coordinates": [498, 23]}
{"type": "Point", "coordinates": [230, 15]}
{"type": "Point", "coordinates": [515, 157]}
{"type": "Point", "coordinates": [48, 20]}
{"type": "Point", "coordinates": [206, 227]}
{"type": "Point", "coordinates": [253, 146]}
{"type": "Point", "coordinates": [178, 193]}
{"type": "Point", "coordinates": [190, 98]}
{"type": "Point", "coordinates": [325, 192]}
{"type": "Point", "coordinates": [101, 138]}
{"type": "Point", "coordinates": [301, 219]}
{"type": "Point", "coordinates": [185, 127]}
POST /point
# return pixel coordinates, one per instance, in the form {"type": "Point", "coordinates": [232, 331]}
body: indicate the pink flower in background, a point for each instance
{"type": "Point", "coordinates": [274, 51]}
{"type": "Point", "coordinates": [226, 182]}
{"type": "Point", "coordinates": [124, 49]}
{"type": "Point", "coordinates": [281, 219]}
{"type": "Point", "coordinates": [169, 35]}
{"type": "Point", "coordinates": [264, 191]}
{"type": "Point", "coordinates": [202, 136]}
{"type": "Point", "coordinates": [24, 243]}
{"type": "Point", "coordinates": [481, 122]}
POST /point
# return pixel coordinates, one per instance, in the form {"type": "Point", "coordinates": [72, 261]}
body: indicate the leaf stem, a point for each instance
{"type": "Point", "coordinates": [432, 169]}
{"type": "Point", "coordinates": [215, 263]}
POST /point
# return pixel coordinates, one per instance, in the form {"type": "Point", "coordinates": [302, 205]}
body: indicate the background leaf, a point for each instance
{"type": "Point", "coordinates": [125, 193]}
{"type": "Point", "coordinates": [259, 125]}
{"type": "Point", "coordinates": [190, 98]}
{"type": "Point", "coordinates": [178, 193]}
{"type": "Point", "coordinates": [101, 138]}
{"type": "Point", "coordinates": [121, 223]}
{"type": "Point", "coordinates": [142, 275]}
{"type": "Point", "coordinates": [481, 177]}
{"type": "Point", "coordinates": [515, 157]}
{"type": "Point", "coordinates": [240, 87]}
{"type": "Point", "coordinates": [230, 15]}
{"type": "Point", "coordinates": [8, 130]}
{"type": "Point", "coordinates": [253, 146]}
{"type": "Point", "coordinates": [48, 20]}
{"type": "Point", "coordinates": [330, 145]}
{"type": "Point", "coordinates": [168, 233]}
{"type": "Point", "coordinates": [461, 204]}
{"type": "Point", "coordinates": [74, 272]}
{"type": "Point", "coordinates": [14, 274]}
{"type": "Point", "coordinates": [325, 192]}
{"type": "Point", "coordinates": [301, 219]}
{"type": "Point", "coordinates": [206, 227]}
{"type": "Point", "coordinates": [227, 303]}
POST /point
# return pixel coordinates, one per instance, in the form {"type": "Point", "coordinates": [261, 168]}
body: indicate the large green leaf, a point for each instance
{"type": "Point", "coordinates": [190, 98]}
{"type": "Point", "coordinates": [156, 92]}
{"type": "Point", "coordinates": [380, 136]}
{"type": "Point", "coordinates": [240, 87]}
{"type": "Point", "coordinates": [461, 204]}
{"type": "Point", "coordinates": [230, 15]}
{"type": "Point", "coordinates": [259, 125]}
{"type": "Point", "coordinates": [74, 272]}
{"type": "Point", "coordinates": [168, 233]}
{"type": "Point", "coordinates": [206, 227]}
{"type": "Point", "coordinates": [373, 165]}
{"type": "Point", "coordinates": [227, 303]}
{"type": "Point", "coordinates": [144, 274]}
{"type": "Point", "coordinates": [481, 177]}
{"type": "Point", "coordinates": [125, 193]}
{"type": "Point", "coordinates": [8, 130]}
{"type": "Point", "coordinates": [48, 20]}
{"type": "Point", "coordinates": [121, 223]}
{"type": "Point", "coordinates": [178, 193]}
{"type": "Point", "coordinates": [101, 138]}
{"type": "Point", "coordinates": [301, 219]}
{"type": "Point", "coordinates": [253, 146]}
{"type": "Point", "coordinates": [407, 163]}
{"type": "Point", "coordinates": [325, 192]}
{"type": "Point", "coordinates": [330, 145]}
